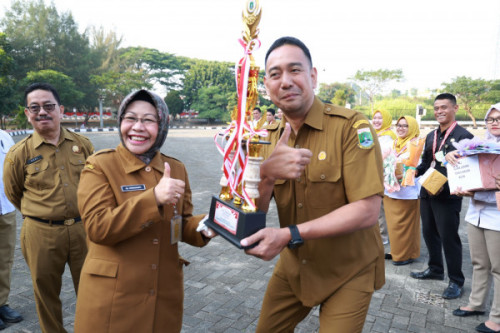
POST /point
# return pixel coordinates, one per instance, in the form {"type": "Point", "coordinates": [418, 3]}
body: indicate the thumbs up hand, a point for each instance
{"type": "Point", "coordinates": [285, 162]}
{"type": "Point", "coordinates": [168, 190]}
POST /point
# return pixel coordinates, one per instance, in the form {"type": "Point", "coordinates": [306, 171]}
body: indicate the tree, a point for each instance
{"type": "Point", "coordinates": [42, 39]}
{"type": "Point", "coordinates": [66, 88]}
{"type": "Point", "coordinates": [174, 102]}
{"type": "Point", "coordinates": [212, 103]}
{"type": "Point", "coordinates": [373, 82]}
{"type": "Point", "coordinates": [114, 86]}
{"type": "Point", "coordinates": [8, 97]}
{"type": "Point", "coordinates": [327, 93]}
{"type": "Point", "coordinates": [469, 92]}
{"type": "Point", "coordinates": [203, 73]}
{"type": "Point", "coordinates": [340, 98]}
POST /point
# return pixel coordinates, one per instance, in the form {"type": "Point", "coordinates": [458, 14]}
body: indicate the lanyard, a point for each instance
{"type": "Point", "coordinates": [434, 143]}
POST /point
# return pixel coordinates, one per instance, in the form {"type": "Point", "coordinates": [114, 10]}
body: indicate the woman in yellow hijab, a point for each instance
{"type": "Point", "coordinates": [382, 123]}
{"type": "Point", "coordinates": [402, 208]}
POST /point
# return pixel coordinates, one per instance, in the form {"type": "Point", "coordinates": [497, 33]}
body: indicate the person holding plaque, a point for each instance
{"type": "Point", "coordinates": [483, 228]}
{"type": "Point", "coordinates": [382, 123]}
{"type": "Point", "coordinates": [402, 206]}
{"type": "Point", "coordinates": [136, 206]}
{"type": "Point", "coordinates": [441, 212]}
{"type": "Point", "coordinates": [323, 168]}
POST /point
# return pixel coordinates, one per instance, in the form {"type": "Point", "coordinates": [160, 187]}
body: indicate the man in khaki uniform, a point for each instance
{"type": "Point", "coordinates": [41, 175]}
{"type": "Point", "coordinates": [324, 170]}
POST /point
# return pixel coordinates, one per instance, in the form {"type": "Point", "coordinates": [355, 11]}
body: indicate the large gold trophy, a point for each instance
{"type": "Point", "coordinates": [234, 213]}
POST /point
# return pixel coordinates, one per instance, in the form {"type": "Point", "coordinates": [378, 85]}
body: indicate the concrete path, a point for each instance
{"type": "Point", "coordinates": [224, 287]}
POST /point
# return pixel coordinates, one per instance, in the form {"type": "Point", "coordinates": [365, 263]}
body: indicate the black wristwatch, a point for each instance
{"type": "Point", "coordinates": [296, 240]}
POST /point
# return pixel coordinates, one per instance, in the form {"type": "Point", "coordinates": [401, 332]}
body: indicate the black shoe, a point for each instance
{"type": "Point", "coordinates": [453, 291]}
{"type": "Point", "coordinates": [466, 313]}
{"type": "Point", "coordinates": [485, 329]}
{"type": "Point", "coordinates": [9, 315]}
{"type": "Point", "coordinates": [2, 325]}
{"type": "Point", "coordinates": [388, 256]}
{"type": "Point", "coordinates": [427, 275]}
{"type": "Point", "coordinates": [402, 262]}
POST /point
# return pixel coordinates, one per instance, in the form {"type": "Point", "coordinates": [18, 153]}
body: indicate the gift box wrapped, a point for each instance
{"type": "Point", "coordinates": [432, 180]}
{"type": "Point", "coordinates": [474, 173]}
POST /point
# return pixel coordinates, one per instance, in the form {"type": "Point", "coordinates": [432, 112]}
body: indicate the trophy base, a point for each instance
{"type": "Point", "coordinates": [232, 223]}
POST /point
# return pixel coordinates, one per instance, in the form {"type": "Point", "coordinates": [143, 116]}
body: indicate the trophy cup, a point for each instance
{"type": "Point", "coordinates": [234, 213]}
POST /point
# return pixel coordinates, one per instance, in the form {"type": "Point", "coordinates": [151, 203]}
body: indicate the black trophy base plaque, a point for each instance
{"type": "Point", "coordinates": [232, 223]}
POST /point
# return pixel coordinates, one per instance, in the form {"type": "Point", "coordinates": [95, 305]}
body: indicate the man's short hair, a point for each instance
{"type": "Point", "coordinates": [258, 109]}
{"type": "Point", "coordinates": [272, 111]}
{"type": "Point", "coordinates": [40, 86]}
{"type": "Point", "coordinates": [447, 96]}
{"type": "Point", "coordinates": [289, 41]}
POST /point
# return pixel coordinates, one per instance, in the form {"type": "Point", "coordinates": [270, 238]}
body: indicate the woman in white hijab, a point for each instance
{"type": "Point", "coordinates": [483, 229]}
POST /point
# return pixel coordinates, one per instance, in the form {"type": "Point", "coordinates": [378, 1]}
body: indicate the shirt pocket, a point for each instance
{"type": "Point", "coordinates": [77, 162]}
{"type": "Point", "coordinates": [38, 177]}
{"type": "Point", "coordinates": [325, 187]}
{"type": "Point", "coordinates": [101, 267]}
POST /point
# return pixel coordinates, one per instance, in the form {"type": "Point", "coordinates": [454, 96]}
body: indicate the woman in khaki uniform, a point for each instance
{"type": "Point", "coordinates": [135, 204]}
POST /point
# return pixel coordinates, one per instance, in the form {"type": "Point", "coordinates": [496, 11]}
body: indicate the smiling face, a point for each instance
{"type": "Point", "coordinates": [43, 122]}
{"type": "Point", "coordinates": [139, 127]}
{"type": "Point", "coordinates": [444, 112]}
{"type": "Point", "coordinates": [377, 121]}
{"type": "Point", "coordinates": [290, 81]}
{"type": "Point", "coordinates": [402, 128]}
{"type": "Point", "coordinates": [494, 128]}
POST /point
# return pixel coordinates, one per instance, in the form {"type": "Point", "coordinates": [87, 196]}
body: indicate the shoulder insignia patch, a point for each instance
{"type": "Point", "coordinates": [360, 122]}
{"type": "Point", "coordinates": [89, 166]}
{"type": "Point", "coordinates": [365, 138]}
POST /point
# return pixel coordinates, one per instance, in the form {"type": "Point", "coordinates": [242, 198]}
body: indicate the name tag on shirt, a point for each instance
{"type": "Point", "coordinates": [132, 188]}
{"type": "Point", "coordinates": [34, 159]}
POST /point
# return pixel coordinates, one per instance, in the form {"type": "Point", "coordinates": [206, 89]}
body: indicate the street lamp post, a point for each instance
{"type": "Point", "coordinates": [101, 98]}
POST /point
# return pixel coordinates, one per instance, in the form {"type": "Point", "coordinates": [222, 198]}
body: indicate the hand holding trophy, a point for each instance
{"type": "Point", "coordinates": [234, 214]}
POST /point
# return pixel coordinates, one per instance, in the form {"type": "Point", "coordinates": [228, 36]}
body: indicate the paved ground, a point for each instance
{"type": "Point", "coordinates": [224, 287]}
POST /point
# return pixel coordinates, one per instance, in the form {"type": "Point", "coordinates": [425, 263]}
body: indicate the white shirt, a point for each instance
{"type": "Point", "coordinates": [483, 215]}
{"type": "Point", "coordinates": [5, 143]}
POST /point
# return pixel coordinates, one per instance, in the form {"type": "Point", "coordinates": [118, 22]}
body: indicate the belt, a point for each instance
{"type": "Point", "coordinates": [58, 222]}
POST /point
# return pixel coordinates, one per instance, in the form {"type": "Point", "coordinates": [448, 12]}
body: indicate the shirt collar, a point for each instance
{"type": "Point", "coordinates": [314, 118]}
{"type": "Point", "coordinates": [38, 140]}
{"type": "Point", "coordinates": [132, 163]}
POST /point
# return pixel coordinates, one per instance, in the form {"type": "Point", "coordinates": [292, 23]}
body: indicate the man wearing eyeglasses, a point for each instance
{"type": "Point", "coordinates": [441, 212]}
{"type": "Point", "coordinates": [41, 175]}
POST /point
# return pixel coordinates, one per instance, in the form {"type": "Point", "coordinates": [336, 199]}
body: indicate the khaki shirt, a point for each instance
{"type": "Point", "coordinates": [345, 167]}
{"type": "Point", "coordinates": [131, 260]}
{"type": "Point", "coordinates": [41, 179]}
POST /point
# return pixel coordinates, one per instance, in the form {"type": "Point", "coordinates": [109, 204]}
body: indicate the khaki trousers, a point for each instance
{"type": "Point", "coordinates": [7, 246]}
{"type": "Point", "coordinates": [484, 247]}
{"type": "Point", "coordinates": [47, 248]}
{"type": "Point", "coordinates": [344, 311]}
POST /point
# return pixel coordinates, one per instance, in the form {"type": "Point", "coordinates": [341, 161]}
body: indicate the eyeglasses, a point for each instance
{"type": "Point", "coordinates": [401, 126]}
{"type": "Point", "coordinates": [145, 121]}
{"type": "Point", "coordinates": [35, 108]}
{"type": "Point", "coordinates": [492, 120]}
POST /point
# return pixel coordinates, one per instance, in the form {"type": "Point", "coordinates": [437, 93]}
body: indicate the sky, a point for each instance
{"type": "Point", "coordinates": [431, 41]}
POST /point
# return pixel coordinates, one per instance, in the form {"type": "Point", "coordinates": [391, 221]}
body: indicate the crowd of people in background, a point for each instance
{"type": "Point", "coordinates": [135, 205]}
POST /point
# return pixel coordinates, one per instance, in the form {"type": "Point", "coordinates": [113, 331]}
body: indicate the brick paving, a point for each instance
{"type": "Point", "coordinates": [224, 287]}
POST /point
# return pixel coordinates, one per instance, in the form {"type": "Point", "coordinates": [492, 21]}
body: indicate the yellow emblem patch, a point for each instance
{"type": "Point", "coordinates": [321, 155]}
{"type": "Point", "coordinates": [360, 122]}
{"type": "Point", "coordinates": [75, 149]}
{"type": "Point", "coordinates": [89, 166]}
